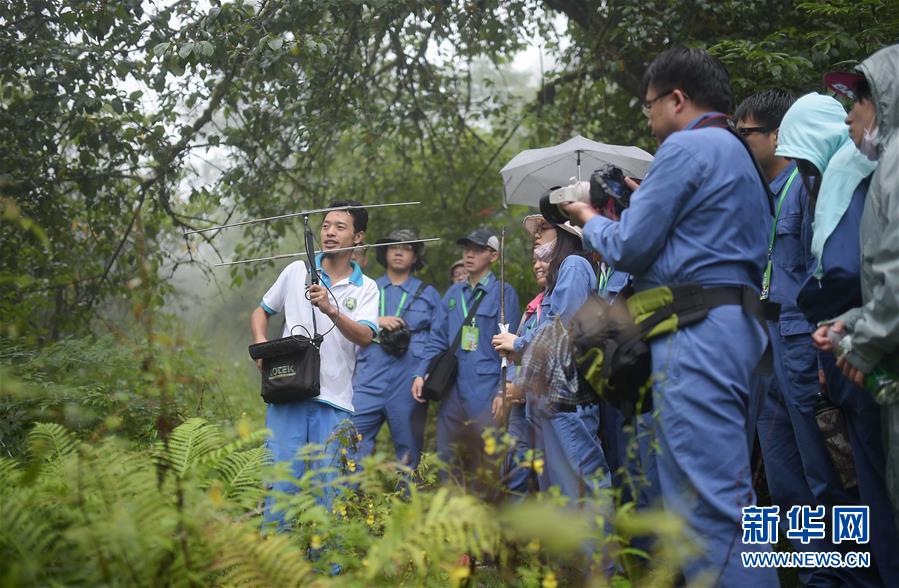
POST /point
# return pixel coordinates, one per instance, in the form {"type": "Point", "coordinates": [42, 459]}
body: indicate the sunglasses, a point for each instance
{"type": "Point", "coordinates": [746, 131]}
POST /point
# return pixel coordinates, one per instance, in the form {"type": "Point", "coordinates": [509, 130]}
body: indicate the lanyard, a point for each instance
{"type": "Point", "coordinates": [464, 306]}
{"type": "Point", "coordinates": [766, 277]}
{"type": "Point", "coordinates": [399, 307]}
{"type": "Point", "coordinates": [604, 275]}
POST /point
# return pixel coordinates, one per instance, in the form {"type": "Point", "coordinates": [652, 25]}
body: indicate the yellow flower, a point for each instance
{"type": "Point", "coordinates": [370, 520]}
{"type": "Point", "coordinates": [538, 466]}
{"type": "Point", "coordinates": [243, 428]}
{"type": "Point", "coordinates": [340, 509]}
{"type": "Point", "coordinates": [359, 437]}
{"type": "Point", "coordinates": [549, 580]}
{"type": "Point", "coordinates": [458, 574]}
{"type": "Point", "coordinates": [343, 451]}
{"type": "Point", "coordinates": [533, 546]}
{"type": "Point", "coordinates": [215, 495]}
{"type": "Point", "coordinates": [489, 445]}
{"type": "Point", "coordinates": [351, 465]}
{"type": "Point", "coordinates": [315, 542]}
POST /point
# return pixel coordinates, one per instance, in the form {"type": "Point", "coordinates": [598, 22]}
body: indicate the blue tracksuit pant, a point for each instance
{"type": "Point", "coordinates": [294, 426]}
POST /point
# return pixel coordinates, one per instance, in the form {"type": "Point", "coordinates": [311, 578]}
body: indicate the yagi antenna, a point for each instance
{"type": "Point", "coordinates": [305, 213]}
{"type": "Point", "coordinates": [317, 251]}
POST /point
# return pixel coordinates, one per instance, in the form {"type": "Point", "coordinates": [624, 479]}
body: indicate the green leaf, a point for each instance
{"type": "Point", "coordinates": [185, 49]}
{"type": "Point", "coordinates": [160, 49]}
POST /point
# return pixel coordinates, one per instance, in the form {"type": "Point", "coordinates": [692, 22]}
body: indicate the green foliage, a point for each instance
{"type": "Point", "coordinates": [95, 385]}
{"type": "Point", "coordinates": [186, 512]}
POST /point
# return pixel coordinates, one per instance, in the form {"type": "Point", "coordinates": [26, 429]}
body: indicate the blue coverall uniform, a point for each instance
{"type": "Point", "coordinates": [521, 479]}
{"type": "Point", "coordinates": [569, 439]}
{"type": "Point", "coordinates": [839, 290]}
{"type": "Point", "coordinates": [382, 381]}
{"type": "Point", "coordinates": [701, 216]}
{"type": "Point", "coordinates": [466, 411]}
{"type": "Point", "coordinates": [633, 464]}
{"type": "Point", "coordinates": [797, 466]}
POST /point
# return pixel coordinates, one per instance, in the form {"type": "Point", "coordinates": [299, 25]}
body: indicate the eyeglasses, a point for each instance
{"type": "Point", "coordinates": [543, 228]}
{"type": "Point", "coordinates": [647, 106]}
{"type": "Point", "coordinates": [746, 131]}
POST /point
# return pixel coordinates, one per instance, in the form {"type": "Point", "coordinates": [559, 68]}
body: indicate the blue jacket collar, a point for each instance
{"type": "Point", "coordinates": [781, 178]}
{"type": "Point", "coordinates": [354, 279]}
{"type": "Point", "coordinates": [484, 282]}
{"type": "Point", "coordinates": [411, 282]}
{"type": "Point", "coordinates": [701, 118]}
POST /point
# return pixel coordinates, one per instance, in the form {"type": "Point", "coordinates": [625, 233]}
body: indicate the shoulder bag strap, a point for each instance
{"type": "Point", "coordinates": [421, 288]}
{"type": "Point", "coordinates": [478, 297]}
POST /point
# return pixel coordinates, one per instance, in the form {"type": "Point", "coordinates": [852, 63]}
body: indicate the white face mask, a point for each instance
{"type": "Point", "coordinates": [545, 251]}
{"type": "Point", "coordinates": [869, 142]}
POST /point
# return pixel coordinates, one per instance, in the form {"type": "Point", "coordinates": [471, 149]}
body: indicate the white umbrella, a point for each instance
{"type": "Point", "coordinates": [533, 171]}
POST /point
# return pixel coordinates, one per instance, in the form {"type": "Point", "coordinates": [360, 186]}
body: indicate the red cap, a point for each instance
{"type": "Point", "coordinates": [843, 82]}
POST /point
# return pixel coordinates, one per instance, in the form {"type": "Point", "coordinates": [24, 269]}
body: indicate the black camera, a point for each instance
{"type": "Point", "coordinates": [395, 342]}
{"type": "Point", "coordinates": [608, 182]}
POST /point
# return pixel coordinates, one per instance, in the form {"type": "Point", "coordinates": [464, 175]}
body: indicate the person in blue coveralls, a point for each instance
{"type": "Point", "coordinates": [465, 413]}
{"type": "Point", "coordinates": [630, 448]}
{"type": "Point", "coordinates": [345, 299]}
{"type": "Point", "coordinates": [520, 476]}
{"type": "Point", "coordinates": [700, 216]}
{"type": "Point", "coordinates": [838, 175]}
{"type": "Point", "coordinates": [566, 432]}
{"type": "Point", "coordinates": [383, 370]}
{"type": "Point", "coordinates": [797, 465]}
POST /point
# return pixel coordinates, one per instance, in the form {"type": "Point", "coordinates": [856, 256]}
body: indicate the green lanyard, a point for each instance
{"type": "Point", "coordinates": [399, 307]}
{"type": "Point", "coordinates": [766, 277]}
{"type": "Point", "coordinates": [464, 306]}
{"type": "Point", "coordinates": [604, 281]}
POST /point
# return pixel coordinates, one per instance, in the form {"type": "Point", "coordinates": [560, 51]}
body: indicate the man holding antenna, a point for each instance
{"type": "Point", "coordinates": [343, 308]}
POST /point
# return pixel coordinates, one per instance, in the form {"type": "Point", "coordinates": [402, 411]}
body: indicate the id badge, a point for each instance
{"type": "Point", "coordinates": [469, 338]}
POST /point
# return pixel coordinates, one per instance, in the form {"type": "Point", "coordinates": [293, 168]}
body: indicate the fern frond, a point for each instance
{"type": "Point", "coordinates": [51, 441]}
{"type": "Point", "coordinates": [241, 474]}
{"type": "Point", "coordinates": [189, 442]}
{"type": "Point", "coordinates": [246, 558]}
{"type": "Point", "coordinates": [428, 529]}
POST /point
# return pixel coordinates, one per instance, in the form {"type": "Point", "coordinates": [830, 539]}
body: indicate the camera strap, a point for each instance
{"type": "Point", "coordinates": [400, 308]}
{"type": "Point", "coordinates": [418, 291]}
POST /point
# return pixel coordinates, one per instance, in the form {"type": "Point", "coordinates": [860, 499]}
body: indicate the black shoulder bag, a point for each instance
{"type": "Point", "coordinates": [291, 366]}
{"type": "Point", "coordinates": [396, 342]}
{"type": "Point", "coordinates": [443, 369]}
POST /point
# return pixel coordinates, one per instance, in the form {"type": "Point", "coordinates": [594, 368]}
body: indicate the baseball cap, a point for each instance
{"type": "Point", "coordinates": [843, 82]}
{"type": "Point", "coordinates": [482, 238]}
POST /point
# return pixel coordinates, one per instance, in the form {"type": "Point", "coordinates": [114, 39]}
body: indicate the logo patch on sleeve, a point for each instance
{"type": "Point", "coordinates": [350, 303]}
{"type": "Point", "coordinates": [452, 303]}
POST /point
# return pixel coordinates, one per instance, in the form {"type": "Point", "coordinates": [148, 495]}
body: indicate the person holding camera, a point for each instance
{"type": "Point", "coordinates": [406, 307]}
{"type": "Point", "coordinates": [564, 417]}
{"type": "Point", "coordinates": [468, 313]}
{"type": "Point", "coordinates": [699, 221]}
